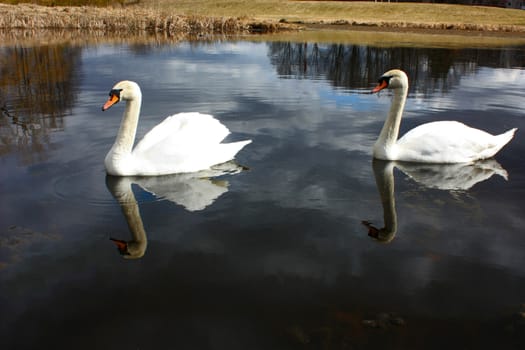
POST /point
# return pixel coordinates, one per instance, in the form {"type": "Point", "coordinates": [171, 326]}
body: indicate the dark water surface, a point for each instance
{"type": "Point", "coordinates": [275, 257]}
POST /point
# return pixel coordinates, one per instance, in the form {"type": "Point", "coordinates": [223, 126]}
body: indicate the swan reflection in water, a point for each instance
{"type": "Point", "coordinates": [450, 177]}
{"type": "Point", "coordinates": [194, 191]}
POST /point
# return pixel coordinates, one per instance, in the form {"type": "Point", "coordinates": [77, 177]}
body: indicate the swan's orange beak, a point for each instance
{"type": "Point", "coordinates": [382, 84]}
{"type": "Point", "coordinates": [113, 98]}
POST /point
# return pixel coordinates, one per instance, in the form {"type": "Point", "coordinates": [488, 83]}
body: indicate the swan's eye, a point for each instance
{"type": "Point", "coordinates": [383, 83]}
{"type": "Point", "coordinates": [385, 79]}
{"type": "Point", "coordinates": [115, 92]}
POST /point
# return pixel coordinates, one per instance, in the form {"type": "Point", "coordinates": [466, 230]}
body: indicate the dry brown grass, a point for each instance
{"type": "Point", "coordinates": [100, 3]}
{"type": "Point", "coordinates": [124, 20]}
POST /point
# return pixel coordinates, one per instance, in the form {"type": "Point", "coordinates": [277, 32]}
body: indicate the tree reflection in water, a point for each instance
{"type": "Point", "coordinates": [37, 89]}
{"type": "Point", "coordinates": [355, 66]}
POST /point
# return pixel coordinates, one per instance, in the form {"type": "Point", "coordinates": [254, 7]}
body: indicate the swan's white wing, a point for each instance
{"type": "Point", "coordinates": [183, 129]}
{"type": "Point", "coordinates": [447, 142]}
{"type": "Point", "coordinates": [185, 142]}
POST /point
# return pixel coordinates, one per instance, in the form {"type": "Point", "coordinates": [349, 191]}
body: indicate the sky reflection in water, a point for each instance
{"type": "Point", "coordinates": [280, 251]}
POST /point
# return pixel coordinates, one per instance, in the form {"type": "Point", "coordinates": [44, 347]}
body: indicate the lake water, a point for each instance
{"type": "Point", "coordinates": [276, 256]}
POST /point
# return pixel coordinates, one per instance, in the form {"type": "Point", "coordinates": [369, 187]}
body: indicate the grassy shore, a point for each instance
{"type": "Point", "coordinates": [234, 16]}
{"type": "Point", "coordinates": [367, 13]}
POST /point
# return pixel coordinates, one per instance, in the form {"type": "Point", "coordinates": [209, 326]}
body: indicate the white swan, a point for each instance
{"type": "Point", "coordinates": [436, 142]}
{"type": "Point", "coordinates": [182, 143]}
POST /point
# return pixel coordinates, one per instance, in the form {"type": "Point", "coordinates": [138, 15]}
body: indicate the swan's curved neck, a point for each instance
{"type": "Point", "coordinates": [128, 127]}
{"type": "Point", "coordinates": [390, 132]}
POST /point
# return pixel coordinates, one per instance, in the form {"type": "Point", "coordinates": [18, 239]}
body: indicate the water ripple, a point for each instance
{"type": "Point", "coordinates": [86, 187]}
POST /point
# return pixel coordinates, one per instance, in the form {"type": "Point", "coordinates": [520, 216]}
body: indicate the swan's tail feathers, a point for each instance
{"type": "Point", "coordinates": [225, 152]}
{"type": "Point", "coordinates": [507, 136]}
{"type": "Point", "coordinates": [499, 142]}
{"type": "Point", "coordinates": [235, 147]}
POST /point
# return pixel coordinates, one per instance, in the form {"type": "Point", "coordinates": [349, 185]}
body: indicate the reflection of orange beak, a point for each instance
{"type": "Point", "coordinates": [372, 231]}
{"type": "Point", "coordinates": [111, 101]}
{"type": "Point", "coordinates": [383, 84]}
{"type": "Point", "coordinates": [121, 245]}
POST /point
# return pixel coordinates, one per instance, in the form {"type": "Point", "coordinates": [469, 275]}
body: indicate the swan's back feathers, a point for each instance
{"type": "Point", "coordinates": [449, 142]}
